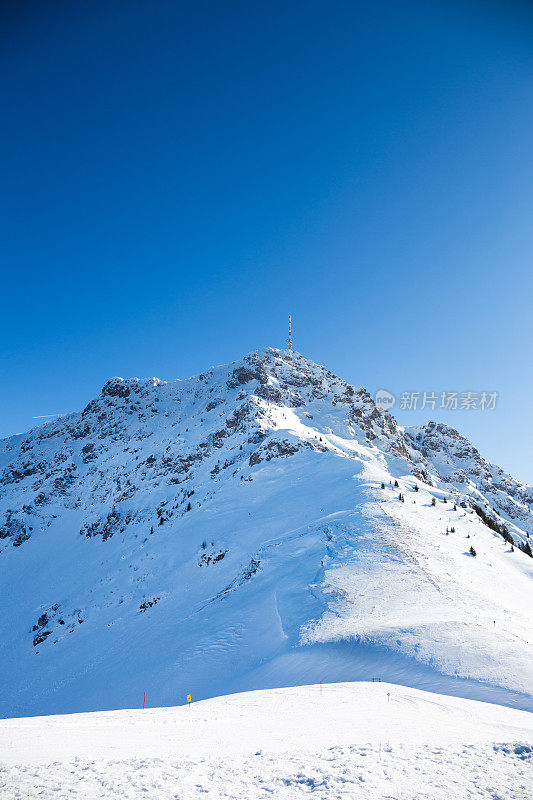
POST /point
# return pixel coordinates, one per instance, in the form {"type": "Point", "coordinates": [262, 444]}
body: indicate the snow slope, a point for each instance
{"type": "Point", "coordinates": [230, 532]}
{"type": "Point", "coordinates": [364, 740]}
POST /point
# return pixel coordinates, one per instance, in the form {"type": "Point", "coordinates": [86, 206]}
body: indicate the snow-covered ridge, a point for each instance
{"type": "Point", "coordinates": [456, 461]}
{"type": "Point", "coordinates": [241, 528]}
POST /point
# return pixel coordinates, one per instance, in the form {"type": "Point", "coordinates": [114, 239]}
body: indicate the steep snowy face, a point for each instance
{"type": "Point", "coordinates": [443, 452]}
{"type": "Point", "coordinates": [260, 524]}
{"type": "Point", "coordinates": [139, 450]}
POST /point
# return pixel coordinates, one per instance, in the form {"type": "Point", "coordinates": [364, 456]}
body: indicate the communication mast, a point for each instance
{"type": "Point", "coordinates": [289, 340]}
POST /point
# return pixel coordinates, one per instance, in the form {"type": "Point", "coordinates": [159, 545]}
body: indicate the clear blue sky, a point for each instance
{"type": "Point", "coordinates": [178, 177]}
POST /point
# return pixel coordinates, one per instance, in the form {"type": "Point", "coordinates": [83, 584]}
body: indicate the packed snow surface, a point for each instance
{"type": "Point", "coordinates": [358, 740]}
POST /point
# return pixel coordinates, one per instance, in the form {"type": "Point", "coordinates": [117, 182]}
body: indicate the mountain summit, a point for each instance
{"type": "Point", "coordinates": [260, 524]}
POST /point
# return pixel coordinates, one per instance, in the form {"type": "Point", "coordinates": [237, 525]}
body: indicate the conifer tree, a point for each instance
{"type": "Point", "coordinates": [526, 548]}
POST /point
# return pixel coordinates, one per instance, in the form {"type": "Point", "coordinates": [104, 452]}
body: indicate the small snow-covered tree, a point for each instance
{"type": "Point", "coordinates": [526, 548]}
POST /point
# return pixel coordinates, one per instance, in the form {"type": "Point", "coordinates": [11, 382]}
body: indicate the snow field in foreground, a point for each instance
{"type": "Point", "coordinates": [399, 772]}
{"type": "Point", "coordinates": [344, 740]}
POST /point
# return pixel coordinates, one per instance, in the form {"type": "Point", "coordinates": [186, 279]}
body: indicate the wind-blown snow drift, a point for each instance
{"type": "Point", "coordinates": [230, 532]}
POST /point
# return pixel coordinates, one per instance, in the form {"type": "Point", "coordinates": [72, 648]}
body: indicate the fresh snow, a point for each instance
{"type": "Point", "coordinates": [292, 566]}
{"type": "Point", "coordinates": [362, 740]}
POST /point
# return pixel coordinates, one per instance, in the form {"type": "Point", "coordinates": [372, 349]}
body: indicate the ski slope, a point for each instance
{"type": "Point", "coordinates": [362, 740]}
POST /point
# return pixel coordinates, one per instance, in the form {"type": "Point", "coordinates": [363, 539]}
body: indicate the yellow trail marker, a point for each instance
{"type": "Point", "coordinates": [189, 699]}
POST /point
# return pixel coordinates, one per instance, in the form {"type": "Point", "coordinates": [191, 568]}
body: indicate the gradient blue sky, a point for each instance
{"type": "Point", "coordinates": [178, 177]}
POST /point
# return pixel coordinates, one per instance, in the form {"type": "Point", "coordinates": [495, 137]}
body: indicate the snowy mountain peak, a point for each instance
{"type": "Point", "coordinates": [456, 461]}
{"type": "Point", "coordinates": [177, 520]}
{"type": "Point", "coordinates": [141, 438]}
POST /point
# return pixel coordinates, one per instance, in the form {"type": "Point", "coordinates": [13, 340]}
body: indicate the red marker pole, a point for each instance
{"type": "Point", "coordinates": [144, 700]}
{"type": "Point", "coordinates": [388, 697]}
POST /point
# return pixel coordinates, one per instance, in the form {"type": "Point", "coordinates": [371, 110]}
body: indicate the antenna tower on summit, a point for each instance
{"type": "Point", "coordinates": [289, 340]}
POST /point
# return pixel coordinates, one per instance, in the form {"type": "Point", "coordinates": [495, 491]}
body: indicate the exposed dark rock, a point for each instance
{"type": "Point", "coordinates": [148, 604]}
{"type": "Point", "coordinates": [242, 375]}
{"type": "Point", "coordinates": [115, 388]}
{"type": "Point", "coordinates": [211, 558]}
{"type": "Point", "coordinates": [40, 637]}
